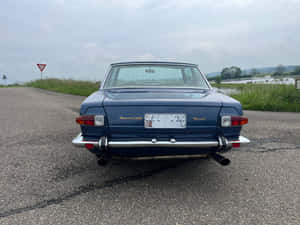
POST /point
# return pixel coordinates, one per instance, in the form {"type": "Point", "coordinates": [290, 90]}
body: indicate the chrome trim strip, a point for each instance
{"type": "Point", "coordinates": [182, 144]}
{"type": "Point", "coordinates": [220, 142]}
{"type": "Point", "coordinates": [78, 141]}
{"type": "Point", "coordinates": [242, 140]}
{"type": "Point", "coordinates": [105, 77]}
{"type": "Point", "coordinates": [153, 63]}
{"type": "Point", "coordinates": [157, 87]}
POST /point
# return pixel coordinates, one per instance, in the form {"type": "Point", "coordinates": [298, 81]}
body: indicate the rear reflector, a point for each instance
{"type": "Point", "coordinates": [236, 145]}
{"type": "Point", "coordinates": [89, 146]}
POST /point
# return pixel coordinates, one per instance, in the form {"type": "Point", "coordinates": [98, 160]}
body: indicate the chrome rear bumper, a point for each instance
{"type": "Point", "coordinates": [78, 141]}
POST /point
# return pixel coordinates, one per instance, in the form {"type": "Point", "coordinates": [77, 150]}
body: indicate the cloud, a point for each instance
{"type": "Point", "coordinates": [80, 38]}
{"type": "Point", "coordinates": [90, 45]}
{"type": "Point", "coordinates": [60, 2]}
{"type": "Point", "coordinates": [133, 4]}
{"type": "Point", "coordinates": [145, 56]}
{"type": "Point", "coordinates": [234, 3]}
{"type": "Point", "coordinates": [45, 27]}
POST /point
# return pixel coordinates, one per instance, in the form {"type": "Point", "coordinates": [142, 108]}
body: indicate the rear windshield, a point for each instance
{"type": "Point", "coordinates": [155, 76]}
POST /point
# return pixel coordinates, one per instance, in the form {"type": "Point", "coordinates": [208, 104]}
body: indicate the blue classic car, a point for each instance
{"type": "Point", "coordinates": [158, 110]}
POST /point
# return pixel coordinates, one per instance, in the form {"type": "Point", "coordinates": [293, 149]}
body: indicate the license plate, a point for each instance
{"type": "Point", "coordinates": [165, 120]}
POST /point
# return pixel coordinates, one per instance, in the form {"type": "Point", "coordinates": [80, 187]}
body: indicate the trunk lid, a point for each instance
{"type": "Point", "coordinates": [125, 110]}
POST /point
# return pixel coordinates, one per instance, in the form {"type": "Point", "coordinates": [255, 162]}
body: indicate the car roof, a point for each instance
{"type": "Point", "coordinates": [165, 63]}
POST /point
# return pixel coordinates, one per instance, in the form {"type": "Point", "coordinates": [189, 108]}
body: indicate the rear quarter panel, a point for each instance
{"type": "Point", "coordinates": [94, 100]}
{"type": "Point", "coordinates": [93, 105]}
{"type": "Point", "coordinates": [231, 133]}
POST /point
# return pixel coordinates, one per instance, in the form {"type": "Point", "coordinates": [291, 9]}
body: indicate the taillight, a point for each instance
{"type": "Point", "coordinates": [228, 121]}
{"type": "Point", "coordinates": [238, 121]}
{"type": "Point", "coordinates": [91, 120]}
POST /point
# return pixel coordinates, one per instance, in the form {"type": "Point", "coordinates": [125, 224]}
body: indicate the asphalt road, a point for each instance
{"type": "Point", "coordinates": [45, 180]}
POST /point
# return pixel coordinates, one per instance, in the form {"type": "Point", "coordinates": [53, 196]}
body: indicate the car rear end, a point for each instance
{"type": "Point", "coordinates": [151, 122]}
{"type": "Point", "coordinates": [129, 133]}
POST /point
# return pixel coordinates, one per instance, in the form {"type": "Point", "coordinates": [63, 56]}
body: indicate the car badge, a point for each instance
{"type": "Point", "coordinates": [197, 118]}
{"type": "Point", "coordinates": [131, 118]}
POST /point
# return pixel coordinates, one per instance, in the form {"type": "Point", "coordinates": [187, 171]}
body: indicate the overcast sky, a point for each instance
{"type": "Point", "coordinates": [79, 38]}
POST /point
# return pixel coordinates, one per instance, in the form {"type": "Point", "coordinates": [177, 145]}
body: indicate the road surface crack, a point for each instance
{"type": "Point", "coordinates": [274, 150]}
{"type": "Point", "coordinates": [264, 150]}
{"type": "Point", "coordinates": [87, 188]}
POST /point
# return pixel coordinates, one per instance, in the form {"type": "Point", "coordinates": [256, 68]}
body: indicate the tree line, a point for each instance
{"type": "Point", "coordinates": [235, 72]}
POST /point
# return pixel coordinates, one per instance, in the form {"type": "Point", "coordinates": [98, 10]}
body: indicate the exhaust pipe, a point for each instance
{"type": "Point", "coordinates": [103, 158]}
{"type": "Point", "coordinates": [102, 162]}
{"type": "Point", "coordinates": [220, 159]}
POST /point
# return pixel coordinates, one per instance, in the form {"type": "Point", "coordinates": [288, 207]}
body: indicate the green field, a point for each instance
{"type": "Point", "coordinates": [74, 87]}
{"type": "Point", "coordinates": [266, 97]}
{"type": "Point", "coordinates": [10, 85]}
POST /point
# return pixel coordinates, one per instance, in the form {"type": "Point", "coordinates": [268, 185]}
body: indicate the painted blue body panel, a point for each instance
{"type": "Point", "coordinates": [203, 109]}
{"type": "Point", "coordinates": [206, 105]}
{"type": "Point", "coordinates": [94, 100]}
{"type": "Point", "coordinates": [94, 132]}
{"type": "Point", "coordinates": [231, 133]}
{"type": "Point", "coordinates": [152, 96]}
{"type": "Point", "coordinates": [134, 129]}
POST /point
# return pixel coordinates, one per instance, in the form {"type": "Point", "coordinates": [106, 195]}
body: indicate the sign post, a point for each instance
{"type": "Point", "coordinates": [41, 67]}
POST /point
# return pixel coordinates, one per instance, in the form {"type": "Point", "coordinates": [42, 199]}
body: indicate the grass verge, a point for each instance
{"type": "Point", "coordinates": [10, 85]}
{"type": "Point", "coordinates": [74, 87]}
{"type": "Point", "coordinates": [266, 97]}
